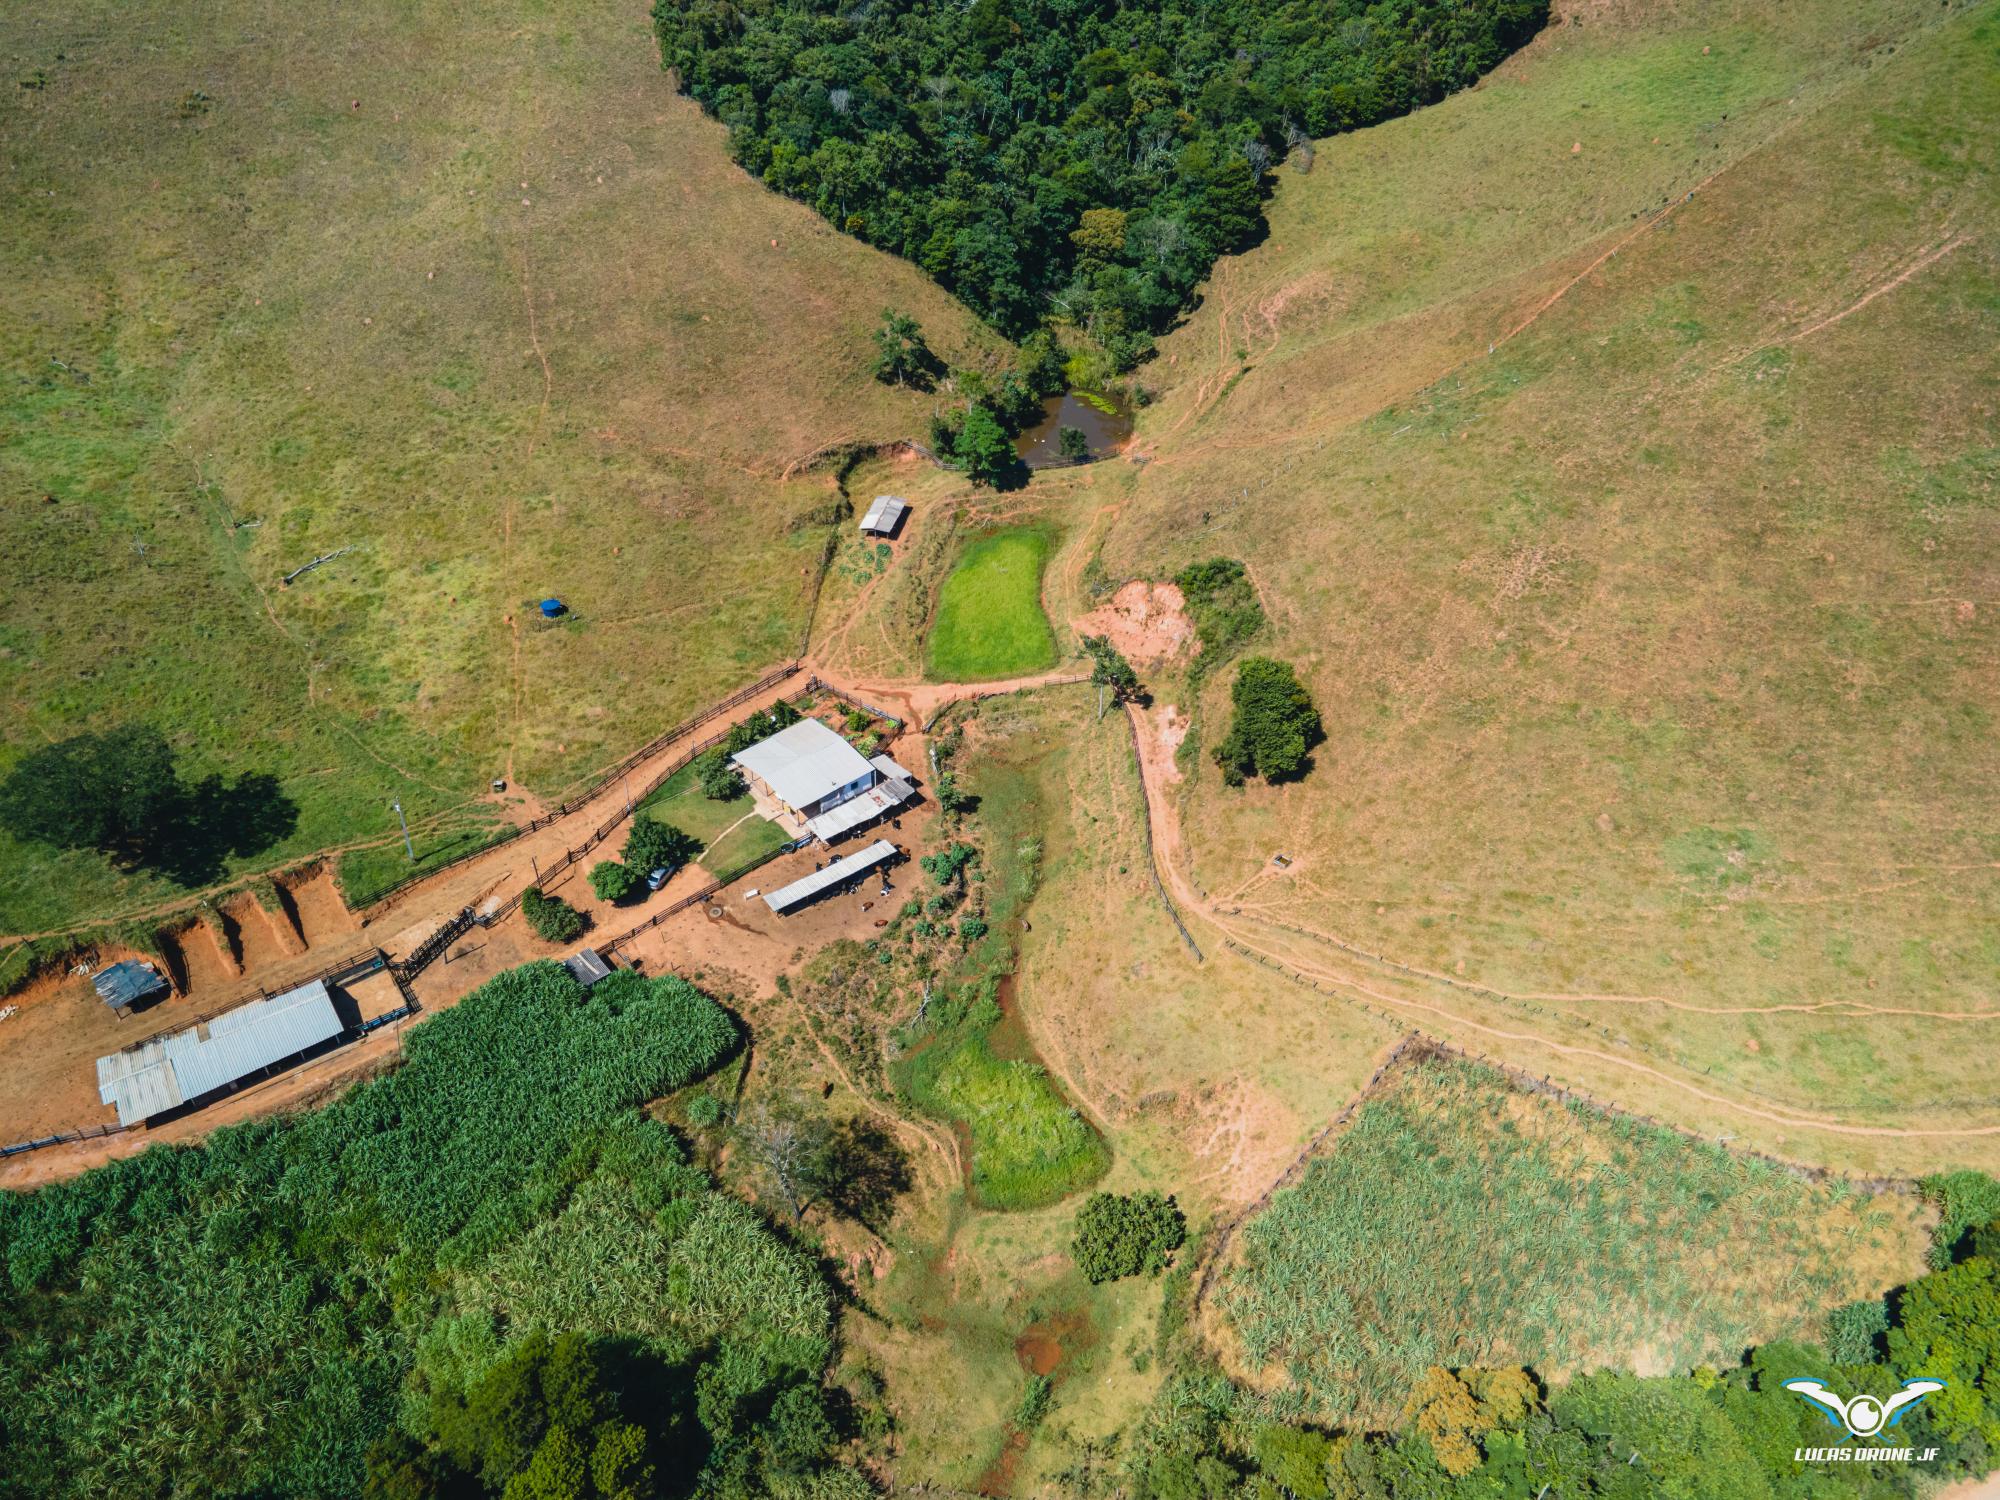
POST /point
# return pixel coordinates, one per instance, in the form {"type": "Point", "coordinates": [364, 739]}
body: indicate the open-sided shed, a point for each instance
{"type": "Point", "coordinates": [127, 986]}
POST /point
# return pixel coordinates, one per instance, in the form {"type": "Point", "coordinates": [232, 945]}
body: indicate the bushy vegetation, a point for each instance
{"type": "Point", "coordinates": [1479, 1431]}
{"type": "Point", "coordinates": [653, 845]}
{"type": "Point", "coordinates": [720, 781]}
{"type": "Point", "coordinates": [1274, 727]}
{"type": "Point", "coordinates": [611, 881]}
{"type": "Point", "coordinates": [1039, 156]}
{"type": "Point", "coordinates": [1126, 1236]}
{"type": "Point", "coordinates": [1223, 604]}
{"type": "Point", "coordinates": [251, 1314]}
{"type": "Point", "coordinates": [553, 919]}
{"type": "Point", "coordinates": [1550, 1236]}
{"type": "Point", "coordinates": [989, 619]}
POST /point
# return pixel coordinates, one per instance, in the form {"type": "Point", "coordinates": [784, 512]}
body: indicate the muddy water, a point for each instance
{"type": "Point", "coordinates": [1106, 432]}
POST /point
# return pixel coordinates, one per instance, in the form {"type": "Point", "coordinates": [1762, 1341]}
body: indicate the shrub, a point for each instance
{"type": "Point", "coordinates": [858, 720]}
{"type": "Point", "coordinates": [720, 781]}
{"type": "Point", "coordinates": [704, 1110]}
{"type": "Point", "coordinates": [972, 929]}
{"type": "Point", "coordinates": [1125, 1236]}
{"type": "Point", "coordinates": [949, 863]}
{"type": "Point", "coordinates": [1963, 1199]}
{"type": "Point", "coordinates": [1275, 723]}
{"type": "Point", "coordinates": [653, 845]}
{"type": "Point", "coordinates": [554, 919]}
{"type": "Point", "coordinates": [1224, 605]}
{"type": "Point", "coordinates": [611, 881]}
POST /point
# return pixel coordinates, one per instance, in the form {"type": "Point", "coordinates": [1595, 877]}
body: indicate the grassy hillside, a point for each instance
{"type": "Point", "coordinates": [474, 295]}
{"type": "Point", "coordinates": [1655, 646]}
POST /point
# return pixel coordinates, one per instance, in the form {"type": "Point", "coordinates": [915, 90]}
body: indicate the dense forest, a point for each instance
{"type": "Point", "coordinates": [486, 1271]}
{"type": "Point", "coordinates": [1083, 160]}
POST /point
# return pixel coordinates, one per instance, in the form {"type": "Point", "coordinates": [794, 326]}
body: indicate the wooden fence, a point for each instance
{"type": "Point", "coordinates": [596, 787]}
{"type": "Point", "coordinates": [1546, 1085]}
{"type": "Point", "coordinates": [713, 888]}
{"type": "Point", "coordinates": [94, 1133]}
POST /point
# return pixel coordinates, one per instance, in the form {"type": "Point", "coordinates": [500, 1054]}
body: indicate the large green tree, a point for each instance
{"type": "Point", "coordinates": [984, 447]}
{"type": "Point", "coordinates": [1274, 726]}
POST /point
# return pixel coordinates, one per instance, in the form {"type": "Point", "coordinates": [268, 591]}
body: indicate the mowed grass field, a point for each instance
{"type": "Point", "coordinates": [1459, 1222]}
{"type": "Point", "coordinates": [989, 621]}
{"type": "Point", "coordinates": [1655, 646]}
{"type": "Point", "coordinates": [472, 295]}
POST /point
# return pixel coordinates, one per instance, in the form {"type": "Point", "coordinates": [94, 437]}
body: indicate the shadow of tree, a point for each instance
{"type": "Point", "coordinates": [213, 821]}
{"type": "Point", "coordinates": [869, 1170]}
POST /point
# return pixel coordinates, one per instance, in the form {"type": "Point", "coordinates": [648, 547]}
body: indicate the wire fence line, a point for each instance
{"type": "Point", "coordinates": [1546, 1085]}
{"type": "Point", "coordinates": [1152, 860]}
{"type": "Point", "coordinates": [596, 787]}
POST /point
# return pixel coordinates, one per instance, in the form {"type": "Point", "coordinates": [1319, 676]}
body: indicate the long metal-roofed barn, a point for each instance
{"type": "Point", "coordinates": [823, 783]}
{"type": "Point", "coordinates": [171, 1071]}
{"type": "Point", "coordinates": [885, 515]}
{"type": "Point", "coordinates": [807, 887]}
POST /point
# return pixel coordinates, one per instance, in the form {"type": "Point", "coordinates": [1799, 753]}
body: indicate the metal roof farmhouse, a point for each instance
{"type": "Point", "coordinates": [811, 771]}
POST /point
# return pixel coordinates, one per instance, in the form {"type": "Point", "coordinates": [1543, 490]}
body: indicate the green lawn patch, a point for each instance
{"type": "Point", "coordinates": [1030, 1146]}
{"type": "Point", "coordinates": [733, 839]}
{"type": "Point", "coordinates": [679, 800]}
{"type": "Point", "coordinates": [989, 617]}
{"type": "Point", "coordinates": [743, 848]}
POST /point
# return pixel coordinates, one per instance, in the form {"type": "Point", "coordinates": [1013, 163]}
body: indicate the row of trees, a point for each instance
{"type": "Point", "coordinates": [1045, 159]}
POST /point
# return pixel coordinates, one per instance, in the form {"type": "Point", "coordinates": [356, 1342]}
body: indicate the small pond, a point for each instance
{"type": "Point", "coordinates": [1105, 431]}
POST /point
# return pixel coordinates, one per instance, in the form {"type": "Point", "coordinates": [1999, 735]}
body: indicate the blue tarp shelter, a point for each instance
{"type": "Point", "coordinates": [128, 984]}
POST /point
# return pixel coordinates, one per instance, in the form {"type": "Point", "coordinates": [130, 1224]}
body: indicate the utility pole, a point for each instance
{"type": "Point", "coordinates": [408, 848]}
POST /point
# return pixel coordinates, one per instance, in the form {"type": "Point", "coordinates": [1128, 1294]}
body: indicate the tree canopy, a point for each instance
{"type": "Point", "coordinates": [1275, 723]}
{"type": "Point", "coordinates": [1089, 160]}
{"type": "Point", "coordinates": [1126, 1236]}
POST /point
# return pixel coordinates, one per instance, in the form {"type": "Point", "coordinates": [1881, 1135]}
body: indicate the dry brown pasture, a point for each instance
{"type": "Point", "coordinates": [1631, 514]}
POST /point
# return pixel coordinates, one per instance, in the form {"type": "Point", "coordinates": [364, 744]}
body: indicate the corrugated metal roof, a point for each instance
{"type": "Point", "coordinates": [884, 513]}
{"type": "Point", "coordinates": [586, 967]}
{"type": "Point", "coordinates": [170, 1071]}
{"type": "Point", "coordinates": [128, 983]}
{"type": "Point", "coordinates": [822, 880]}
{"type": "Point", "coordinates": [883, 797]}
{"type": "Point", "coordinates": [804, 763]}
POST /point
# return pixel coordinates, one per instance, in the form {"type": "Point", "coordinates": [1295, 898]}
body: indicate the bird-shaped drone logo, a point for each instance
{"type": "Point", "coordinates": [1865, 1416]}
